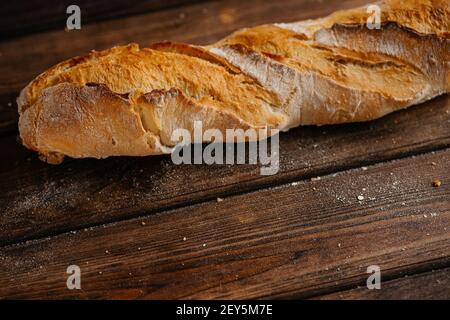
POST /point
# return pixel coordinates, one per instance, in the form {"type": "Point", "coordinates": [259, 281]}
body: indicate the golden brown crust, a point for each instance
{"type": "Point", "coordinates": [128, 101]}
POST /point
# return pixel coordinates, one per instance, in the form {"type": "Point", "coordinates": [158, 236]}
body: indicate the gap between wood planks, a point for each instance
{"type": "Point", "coordinates": [359, 289]}
{"type": "Point", "coordinates": [289, 241]}
{"type": "Point", "coordinates": [432, 285]}
{"type": "Point", "coordinates": [19, 19]}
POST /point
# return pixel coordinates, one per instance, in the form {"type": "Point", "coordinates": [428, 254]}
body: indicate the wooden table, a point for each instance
{"type": "Point", "coordinates": [145, 228]}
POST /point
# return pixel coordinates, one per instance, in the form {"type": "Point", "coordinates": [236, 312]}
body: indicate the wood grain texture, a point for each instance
{"type": "Point", "coordinates": [24, 58]}
{"type": "Point", "coordinates": [38, 199]}
{"type": "Point", "coordinates": [29, 16]}
{"type": "Point", "coordinates": [432, 285]}
{"type": "Point", "coordinates": [124, 220]}
{"type": "Point", "coordinates": [296, 240]}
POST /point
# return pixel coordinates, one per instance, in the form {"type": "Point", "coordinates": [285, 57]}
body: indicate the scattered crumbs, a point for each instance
{"type": "Point", "coordinates": [9, 104]}
{"type": "Point", "coordinates": [403, 249]}
{"type": "Point", "coordinates": [339, 245]}
{"type": "Point", "coordinates": [315, 179]}
{"type": "Point", "coordinates": [204, 244]}
{"type": "Point", "coordinates": [391, 173]}
{"type": "Point", "coordinates": [437, 183]}
{"type": "Point", "coordinates": [40, 267]}
{"type": "Point", "coordinates": [294, 184]}
{"type": "Point", "coordinates": [364, 168]}
{"type": "Point", "coordinates": [219, 199]}
{"type": "Point", "coordinates": [315, 146]}
{"type": "Point", "coordinates": [364, 189]}
{"type": "Point", "coordinates": [428, 234]}
{"type": "Point", "coordinates": [182, 15]}
{"type": "Point", "coordinates": [360, 198]}
{"type": "Point", "coordinates": [106, 251]}
{"type": "Point", "coordinates": [100, 272]}
{"type": "Point", "coordinates": [433, 214]}
{"type": "Point", "coordinates": [403, 203]}
{"type": "Point", "coordinates": [73, 232]}
{"type": "Point", "coordinates": [184, 238]}
{"type": "Point", "coordinates": [425, 216]}
{"type": "Point", "coordinates": [139, 248]}
{"type": "Point", "coordinates": [143, 223]}
{"type": "Point", "coordinates": [433, 163]}
{"type": "Point", "coordinates": [130, 274]}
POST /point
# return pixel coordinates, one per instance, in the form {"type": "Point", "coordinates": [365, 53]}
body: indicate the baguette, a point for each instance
{"type": "Point", "coordinates": [128, 101]}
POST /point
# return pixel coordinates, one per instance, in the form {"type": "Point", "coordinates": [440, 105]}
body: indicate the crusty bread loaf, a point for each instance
{"type": "Point", "coordinates": [128, 101]}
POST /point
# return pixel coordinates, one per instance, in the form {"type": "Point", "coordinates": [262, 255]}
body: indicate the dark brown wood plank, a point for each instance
{"type": "Point", "coordinates": [24, 58]}
{"type": "Point", "coordinates": [37, 199]}
{"type": "Point", "coordinates": [432, 285]}
{"type": "Point", "coordinates": [295, 240]}
{"type": "Point", "coordinates": [8, 114]}
{"type": "Point", "coordinates": [30, 16]}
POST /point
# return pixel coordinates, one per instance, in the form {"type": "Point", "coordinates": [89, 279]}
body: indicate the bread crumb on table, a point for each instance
{"type": "Point", "coordinates": [437, 183]}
